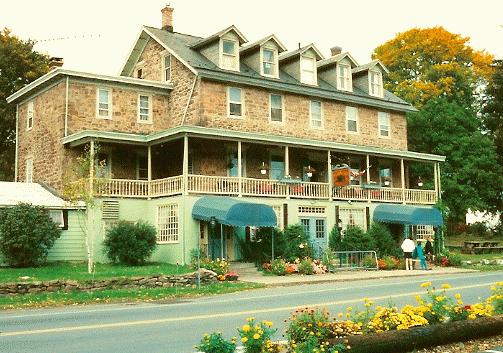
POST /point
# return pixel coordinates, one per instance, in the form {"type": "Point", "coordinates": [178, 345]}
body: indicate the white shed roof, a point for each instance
{"type": "Point", "coordinates": [13, 193]}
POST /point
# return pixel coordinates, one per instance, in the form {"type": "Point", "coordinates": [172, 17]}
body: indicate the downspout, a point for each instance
{"type": "Point", "coordinates": [184, 117]}
{"type": "Point", "coordinates": [16, 162]}
{"type": "Point", "coordinates": [66, 106]}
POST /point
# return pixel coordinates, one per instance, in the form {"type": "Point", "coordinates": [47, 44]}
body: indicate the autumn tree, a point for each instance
{"type": "Point", "coordinates": [19, 65]}
{"type": "Point", "coordinates": [432, 62]}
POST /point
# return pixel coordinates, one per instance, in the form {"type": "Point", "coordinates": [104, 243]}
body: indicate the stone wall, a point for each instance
{"type": "Point", "coordinates": [155, 281]}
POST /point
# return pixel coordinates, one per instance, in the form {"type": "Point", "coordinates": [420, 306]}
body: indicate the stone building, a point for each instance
{"type": "Point", "coordinates": [191, 116]}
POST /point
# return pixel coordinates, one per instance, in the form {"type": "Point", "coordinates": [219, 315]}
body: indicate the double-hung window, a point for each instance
{"type": "Point", "coordinates": [230, 58]}
{"type": "Point", "coordinates": [144, 109]}
{"type": "Point", "coordinates": [269, 66]}
{"type": "Point", "coordinates": [167, 223]}
{"type": "Point", "coordinates": [352, 119]}
{"type": "Point", "coordinates": [344, 77]}
{"type": "Point", "coordinates": [308, 70]}
{"type": "Point", "coordinates": [316, 114]}
{"type": "Point", "coordinates": [276, 102]}
{"type": "Point", "coordinates": [375, 83]}
{"type": "Point", "coordinates": [384, 124]}
{"type": "Point", "coordinates": [104, 106]}
{"type": "Point", "coordinates": [235, 100]}
{"type": "Point", "coordinates": [29, 116]}
{"type": "Point", "coordinates": [166, 68]}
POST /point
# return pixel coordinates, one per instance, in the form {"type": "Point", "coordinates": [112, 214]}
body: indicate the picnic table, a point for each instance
{"type": "Point", "coordinates": [482, 246]}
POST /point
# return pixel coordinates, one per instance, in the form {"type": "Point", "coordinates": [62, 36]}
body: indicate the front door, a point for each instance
{"type": "Point", "coordinates": [316, 230]}
{"type": "Point", "coordinates": [216, 243]}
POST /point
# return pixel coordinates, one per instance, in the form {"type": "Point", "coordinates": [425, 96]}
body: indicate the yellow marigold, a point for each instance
{"type": "Point", "coordinates": [457, 296]}
{"type": "Point", "coordinates": [446, 286]}
{"type": "Point", "coordinates": [244, 339]}
{"type": "Point", "coordinates": [246, 328]}
{"type": "Point", "coordinates": [256, 336]}
{"type": "Point", "coordinates": [426, 284]}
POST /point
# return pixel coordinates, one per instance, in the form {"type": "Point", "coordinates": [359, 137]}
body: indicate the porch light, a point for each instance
{"type": "Point", "coordinates": [387, 182]}
{"type": "Point", "coordinates": [263, 169]}
{"type": "Point", "coordinates": [309, 171]}
{"type": "Point", "coordinates": [420, 182]}
{"type": "Point", "coordinates": [213, 221]}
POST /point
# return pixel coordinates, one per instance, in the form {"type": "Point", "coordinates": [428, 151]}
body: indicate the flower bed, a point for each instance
{"type": "Point", "coordinates": [303, 266]}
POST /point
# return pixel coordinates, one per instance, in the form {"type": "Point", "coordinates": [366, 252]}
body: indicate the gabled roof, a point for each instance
{"type": "Point", "coordinates": [13, 193]}
{"type": "Point", "coordinates": [205, 41]}
{"type": "Point", "coordinates": [300, 51]}
{"type": "Point", "coordinates": [370, 66]}
{"type": "Point", "coordinates": [336, 58]}
{"type": "Point", "coordinates": [261, 42]}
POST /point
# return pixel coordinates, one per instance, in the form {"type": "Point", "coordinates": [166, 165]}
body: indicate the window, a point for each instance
{"type": "Point", "coordinates": [320, 228]}
{"type": "Point", "coordinates": [57, 217]}
{"type": "Point", "coordinates": [386, 175]}
{"type": "Point", "coordinates": [167, 68]}
{"type": "Point", "coordinates": [310, 210]}
{"type": "Point", "coordinates": [232, 164]}
{"type": "Point", "coordinates": [375, 88]}
{"type": "Point", "coordinates": [29, 170]}
{"type": "Point", "coordinates": [352, 217]}
{"type": "Point", "coordinates": [167, 223]}
{"type": "Point", "coordinates": [144, 109]}
{"type": "Point", "coordinates": [29, 116]}
{"type": "Point", "coordinates": [307, 70]}
{"type": "Point", "coordinates": [230, 59]}
{"type": "Point", "coordinates": [139, 73]}
{"type": "Point", "coordinates": [278, 210]}
{"type": "Point", "coordinates": [277, 167]}
{"type": "Point", "coordinates": [276, 102]}
{"type": "Point", "coordinates": [316, 114]}
{"type": "Point", "coordinates": [344, 77]}
{"type": "Point", "coordinates": [141, 167]}
{"type": "Point", "coordinates": [352, 119]}
{"type": "Point", "coordinates": [104, 107]}
{"type": "Point", "coordinates": [235, 102]}
{"type": "Point", "coordinates": [269, 65]}
{"type": "Point", "coordinates": [384, 124]}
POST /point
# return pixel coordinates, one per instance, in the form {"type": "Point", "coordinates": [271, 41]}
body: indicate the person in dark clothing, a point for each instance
{"type": "Point", "coordinates": [428, 249]}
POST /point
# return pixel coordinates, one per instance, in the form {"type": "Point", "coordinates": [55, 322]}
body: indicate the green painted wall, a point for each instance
{"type": "Point", "coordinates": [71, 245]}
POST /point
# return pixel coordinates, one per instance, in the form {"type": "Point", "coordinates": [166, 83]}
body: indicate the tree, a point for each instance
{"type": "Point", "coordinates": [432, 62]}
{"type": "Point", "coordinates": [471, 175]}
{"type": "Point", "coordinates": [19, 65]}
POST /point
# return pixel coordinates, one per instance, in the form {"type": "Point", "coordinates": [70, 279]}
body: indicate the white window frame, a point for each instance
{"type": "Point", "coordinates": [165, 77]}
{"type": "Point", "coordinates": [30, 114]}
{"type": "Point", "coordinates": [138, 156]}
{"type": "Point", "coordinates": [311, 115]}
{"type": "Point", "coordinates": [346, 79]}
{"type": "Point", "coordinates": [109, 103]}
{"type": "Point", "coordinates": [29, 170]}
{"type": "Point", "coordinates": [302, 75]}
{"type": "Point", "coordinates": [278, 210]}
{"type": "Point", "coordinates": [57, 217]}
{"type": "Point", "coordinates": [168, 224]}
{"type": "Point", "coordinates": [357, 215]}
{"type": "Point", "coordinates": [282, 121]}
{"type": "Point", "coordinates": [348, 115]}
{"type": "Point", "coordinates": [386, 116]}
{"type": "Point", "coordinates": [378, 85]}
{"type": "Point", "coordinates": [235, 55]}
{"type": "Point", "coordinates": [139, 115]}
{"type": "Point", "coordinates": [235, 102]}
{"type": "Point", "coordinates": [274, 63]}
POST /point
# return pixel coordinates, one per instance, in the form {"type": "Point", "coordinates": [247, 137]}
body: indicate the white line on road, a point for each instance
{"type": "Point", "coordinates": [213, 316]}
{"type": "Point", "coordinates": [233, 300]}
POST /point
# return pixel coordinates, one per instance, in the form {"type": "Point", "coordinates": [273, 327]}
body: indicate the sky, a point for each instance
{"type": "Point", "coordinates": [97, 35]}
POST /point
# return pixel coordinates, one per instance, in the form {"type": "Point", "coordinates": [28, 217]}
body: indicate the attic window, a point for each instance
{"type": "Point", "coordinates": [375, 84]}
{"type": "Point", "coordinates": [308, 70]}
{"type": "Point", "coordinates": [269, 62]}
{"type": "Point", "coordinates": [344, 77]}
{"type": "Point", "coordinates": [230, 57]}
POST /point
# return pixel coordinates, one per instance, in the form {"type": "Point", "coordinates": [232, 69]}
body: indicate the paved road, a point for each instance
{"type": "Point", "coordinates": [175, 327]}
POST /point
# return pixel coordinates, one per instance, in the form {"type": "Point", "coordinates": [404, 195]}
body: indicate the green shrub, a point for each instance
{"type": "Point", "coordinates": [260, 250]}
{"type": "Point", "coordinates": [385, 243]}
{"type": "Point", "coordinates": [355, 239]}
{"type": "Point", "coordinates": [306, 266]}
{"type": "Point", "coordinates": [26, 235]}
{"type": "Point", "coordinates": [215, 343]}
{"type": "Point", "coordinates": [369, 262]}
{"type": "Point", "coordinates": [454, 258]}
{"type": "Point", "coordinates": [334, 238]}
{"type": "Point", "coordinates": [297, 243]}
{"type": "Point", "coordinates": [278, 267]}
{"type": "Point", "coordinates": [129, 243]}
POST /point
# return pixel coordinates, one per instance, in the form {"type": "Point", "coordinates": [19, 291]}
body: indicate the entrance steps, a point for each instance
{"type": "Point", "coordinates": [244, 268]}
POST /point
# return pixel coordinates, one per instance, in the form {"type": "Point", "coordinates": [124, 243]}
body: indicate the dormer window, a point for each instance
{"type": "Point", "coordinates": [344, 77]}
{"type": "Point", "coordinates": [269, 62]}
{"type": "Point", "coordinates": [308, 70]}
{"type": "Point", "coordinates": [230, 58]}
{"type": "Point", "coordinates": [375, 84]}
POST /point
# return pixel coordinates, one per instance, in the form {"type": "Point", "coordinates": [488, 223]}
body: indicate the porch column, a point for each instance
{"type": "Point", "coordinates": [439, 182]}
{"type": "Point", "coordinates": [221, 241]}
{"type": "Point", "coordinates": [185, 168]}
{"type": "Point", "coordinates": [240, 174]}
{"type": "Point", "coordinates": [91, 168]}
{"type": "Point", "coordinates": [329, 175]}
{"type": "Point", "coordinates": [435, 179]}
{"type": "Point", "coordinates": [367, 172]}
{"type": "Point", "coordinates": [402, 176]}
{"type": "Point", "coordinates": [149, 169]}
{"type": "Point", "coordinates": [287, 169]}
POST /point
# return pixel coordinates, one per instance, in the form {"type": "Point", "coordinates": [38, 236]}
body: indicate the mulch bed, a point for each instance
{"type": "Point", "coordinates": [477, 345]}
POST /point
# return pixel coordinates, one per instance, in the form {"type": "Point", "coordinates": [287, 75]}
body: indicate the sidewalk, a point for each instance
{"type": "Point", "coordinates": [346, 276]}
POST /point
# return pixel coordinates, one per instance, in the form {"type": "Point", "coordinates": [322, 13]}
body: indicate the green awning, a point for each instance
{"type": "Point", "coordinates": [232, 212]}
{"type": "Point", "coordinates": [405, 214]}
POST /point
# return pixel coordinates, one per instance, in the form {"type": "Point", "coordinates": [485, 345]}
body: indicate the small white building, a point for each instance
{"type": "Point", "coordinates": [490, 220]}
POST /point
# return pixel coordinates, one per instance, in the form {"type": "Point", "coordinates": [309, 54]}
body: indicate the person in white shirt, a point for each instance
{"type": "Point", "coordinates": [408, 247]}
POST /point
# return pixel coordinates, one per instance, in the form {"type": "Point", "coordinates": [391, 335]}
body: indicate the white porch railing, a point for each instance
{"type": "Point", "coordinates": [213, 184]}
{"type": "Point", "coordinates": [121, 187]}
{"type": "Point", "coordinates": [264, 187]}
{"type": "Point", "coordinates": [167, 186]}
{"type": "Point", "coordinates": [420, 196]}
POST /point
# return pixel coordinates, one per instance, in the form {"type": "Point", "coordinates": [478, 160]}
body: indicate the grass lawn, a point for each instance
{"type": "Point", "coordinates": [78, 271]}
{"type": "Point", "coordinates": [478, 257]}
{"type": "Point", "coordinates": [120, 295]}
{"type": "Point", "coordinates": [459, 239]}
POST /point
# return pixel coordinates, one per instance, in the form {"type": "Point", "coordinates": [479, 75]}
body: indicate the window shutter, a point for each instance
{"type": "Point", "coordinates": [336, 214]}
{"type": "Point", "coordinates": [285, 215]}
{"type": "Point", "coordinates": [65, 220]}
{"type": "Point", "coordinates": [367, 214]}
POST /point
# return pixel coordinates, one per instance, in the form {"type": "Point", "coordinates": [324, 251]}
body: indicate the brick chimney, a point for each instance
{"type": "Point", "coordinates": [167, 18]}
{"type": "Point", "coordinates": [55, 62]}
{"type": "Point", "coordinates": [336, 50]}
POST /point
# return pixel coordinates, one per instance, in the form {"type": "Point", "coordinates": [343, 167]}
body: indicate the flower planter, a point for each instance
{"type": "Point", "coordinates": [424, 336]}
